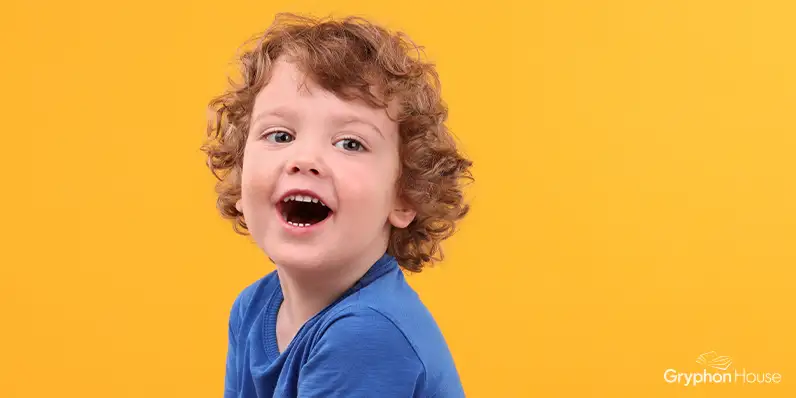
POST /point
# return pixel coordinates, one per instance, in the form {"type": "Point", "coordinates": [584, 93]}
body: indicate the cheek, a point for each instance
{"type": "Point", "coordinates": [369, 191]}
{"type": "Point", "coordinates": [257, 178]}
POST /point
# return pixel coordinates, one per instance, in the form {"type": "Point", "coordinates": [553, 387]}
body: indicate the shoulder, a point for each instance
{"type": "Point", "coordinates": [360, 352]}
{"type": "Point", "coordinates": [391, 324]}
{"type": "Point", "coordinates": [363, 324]}
{"type": "Point", "coordinates": [394, 304]}
{"type": "Point", "coordinates": [386, 312]}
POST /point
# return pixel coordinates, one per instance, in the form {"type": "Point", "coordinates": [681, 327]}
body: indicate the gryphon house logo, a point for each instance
{"type": "Point", "coordinates": [712, 360]}
{"type": "Point", "coordinates": [716, 370]}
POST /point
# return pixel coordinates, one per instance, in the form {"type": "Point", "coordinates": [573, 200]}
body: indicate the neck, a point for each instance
{"type": "Point", "coordinates": [307, 292]}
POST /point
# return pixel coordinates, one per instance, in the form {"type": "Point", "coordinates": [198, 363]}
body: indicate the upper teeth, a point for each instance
{"type": "Point", "coordinates": [303, 198]}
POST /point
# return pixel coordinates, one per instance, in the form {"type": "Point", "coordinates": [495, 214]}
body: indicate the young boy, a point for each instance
{"type": "Point", "coordinates": [332, 153]}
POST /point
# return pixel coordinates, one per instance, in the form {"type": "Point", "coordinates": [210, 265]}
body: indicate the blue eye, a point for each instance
{"type": "Point", "coordinates": [350, 144]}
{"type": "Point", "coordinates": [279, 137]}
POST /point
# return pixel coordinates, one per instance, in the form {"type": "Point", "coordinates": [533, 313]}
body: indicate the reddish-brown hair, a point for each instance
{"type": "Point", "coordinates": [354, 58]}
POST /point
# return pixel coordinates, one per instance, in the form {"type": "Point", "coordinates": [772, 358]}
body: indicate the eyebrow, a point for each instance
{"type": "Point", "coordinates": [353, 119]}
{"type": "Point", "coordinates": [292, 117]}
{"type": "Point", "coordinates": [280, 112]}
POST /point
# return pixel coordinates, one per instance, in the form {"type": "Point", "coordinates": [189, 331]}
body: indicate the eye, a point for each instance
{"type": "Point", "coordinates": [350, 144]}
{"type": "Point", "coordinates": [279, 137]}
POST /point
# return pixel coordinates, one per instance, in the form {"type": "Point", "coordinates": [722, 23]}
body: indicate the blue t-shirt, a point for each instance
{"type": "Point", "coordinates": [376, 340]}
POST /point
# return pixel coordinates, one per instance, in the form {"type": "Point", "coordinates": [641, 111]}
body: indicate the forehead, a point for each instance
{"type": "Point", "coordinates": [289, 87]}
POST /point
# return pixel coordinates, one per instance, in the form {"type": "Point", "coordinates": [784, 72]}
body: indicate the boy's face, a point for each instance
{"type": "Point", "coordinates": [319, 175]}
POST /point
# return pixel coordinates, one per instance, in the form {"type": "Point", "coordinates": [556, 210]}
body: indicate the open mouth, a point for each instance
{"type": "Point", "coordinates": [303, 210]}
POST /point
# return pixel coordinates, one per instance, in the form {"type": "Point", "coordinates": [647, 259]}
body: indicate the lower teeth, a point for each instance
{"type": "Point", "coordinates": [296, 224]}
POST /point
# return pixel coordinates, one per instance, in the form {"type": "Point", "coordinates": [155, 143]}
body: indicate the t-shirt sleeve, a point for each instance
{"type": "Point", "coordinates": [361, 354]}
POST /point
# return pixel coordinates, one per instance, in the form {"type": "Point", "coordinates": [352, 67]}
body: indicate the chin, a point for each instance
{"type": "Point", "coordinates": [300, 257]}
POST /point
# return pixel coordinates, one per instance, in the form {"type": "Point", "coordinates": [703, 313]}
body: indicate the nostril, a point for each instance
{"type": "Point", "coordinates": [297, 169]}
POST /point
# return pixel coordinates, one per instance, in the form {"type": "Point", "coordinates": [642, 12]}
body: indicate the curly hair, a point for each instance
{"type": "Point", "coordinates": [355, 59]}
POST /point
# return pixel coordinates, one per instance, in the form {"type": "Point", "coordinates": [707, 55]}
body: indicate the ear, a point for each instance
{"type": "Point", "coordinates": [401, 215]}
{"type": "Point", "coordinates": [239, 206]}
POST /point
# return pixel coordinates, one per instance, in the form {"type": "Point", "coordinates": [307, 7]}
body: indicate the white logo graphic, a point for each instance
{"type": "Point", "coordinates": [716, 371]}
{"type": "Point", "coordinates": [711, 359]}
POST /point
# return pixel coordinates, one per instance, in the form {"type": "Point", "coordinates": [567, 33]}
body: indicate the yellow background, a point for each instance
{"type": "Point", "coordinates": [634, 204]}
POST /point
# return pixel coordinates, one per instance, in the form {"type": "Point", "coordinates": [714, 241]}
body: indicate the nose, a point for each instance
{"type": "Point", "coordinates": [303, 166]}
{"type": "Point", "coordinates": [306, 161]}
